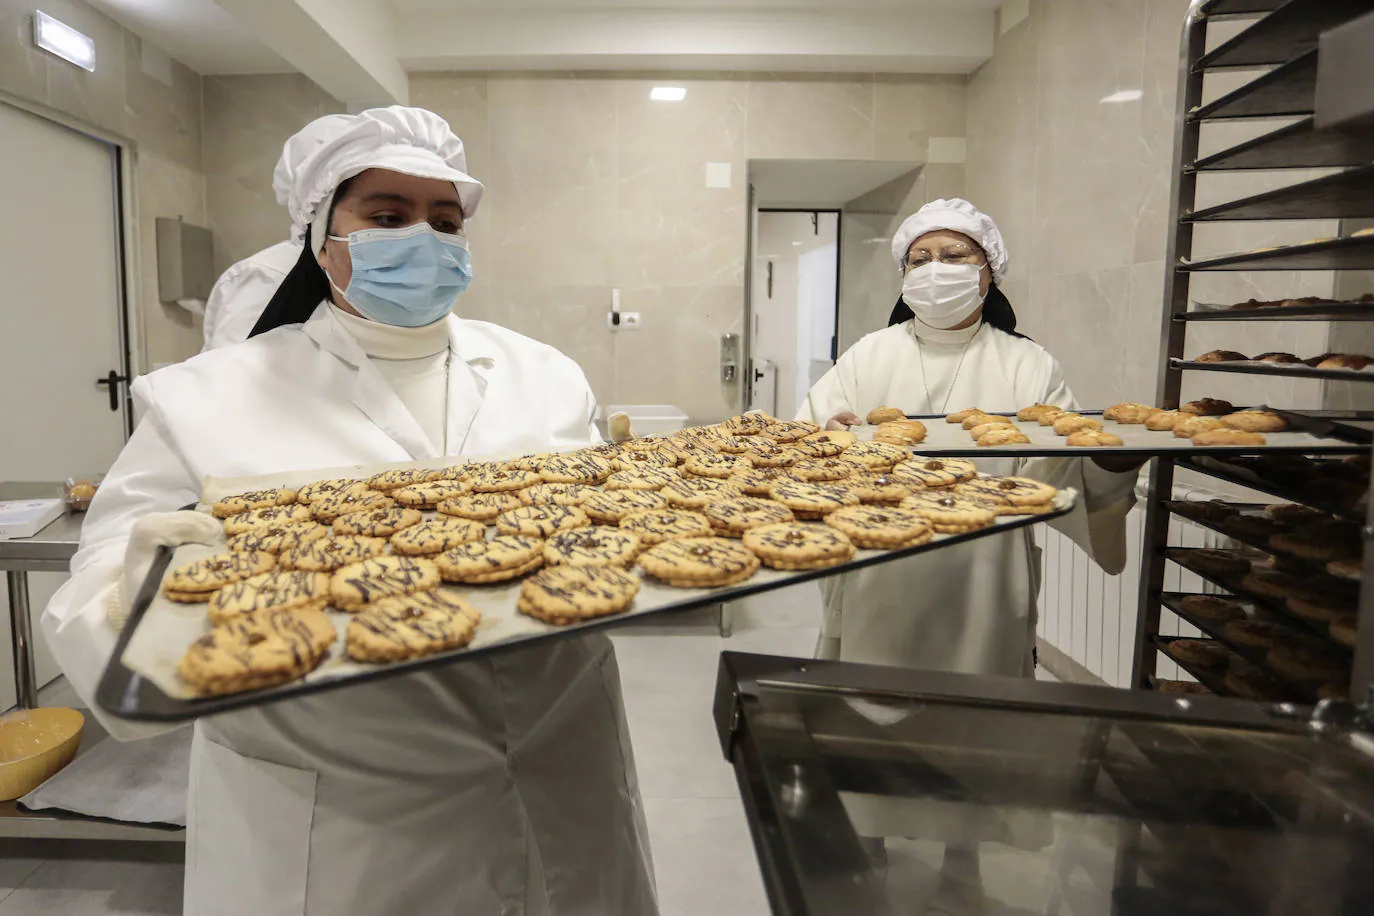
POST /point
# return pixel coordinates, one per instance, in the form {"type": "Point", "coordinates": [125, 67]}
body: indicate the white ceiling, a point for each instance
{"type": "Point", "coordinates": [198, 33]}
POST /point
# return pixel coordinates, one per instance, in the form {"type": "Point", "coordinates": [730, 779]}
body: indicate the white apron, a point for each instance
{"type": "Point", "coordinates": [501, 786]}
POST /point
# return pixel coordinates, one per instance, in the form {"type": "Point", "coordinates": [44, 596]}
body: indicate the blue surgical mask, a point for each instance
{"type": "Point", "coordinates": [407, 277]}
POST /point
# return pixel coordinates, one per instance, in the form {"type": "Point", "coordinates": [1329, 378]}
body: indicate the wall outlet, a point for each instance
{"type": "Point", "coordinates": [629, 321]}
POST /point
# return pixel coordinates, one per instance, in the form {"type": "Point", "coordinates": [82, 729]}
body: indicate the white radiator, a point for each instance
{"type": "Point", "coordinates": [1091, 616]}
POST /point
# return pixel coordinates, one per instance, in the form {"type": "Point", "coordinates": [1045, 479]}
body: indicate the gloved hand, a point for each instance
{"type": "Point", "coordinates": [154, 530]}
{"type": "Point", "coordinates": [618, 425]}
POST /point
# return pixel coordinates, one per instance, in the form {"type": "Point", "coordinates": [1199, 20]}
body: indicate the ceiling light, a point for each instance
{"type": "Point", "coordinates": [668, 93]}
{"type": "Point", "coordinates": [1125, 95]}
{"type": "Point", "coordinates": [60, 39]}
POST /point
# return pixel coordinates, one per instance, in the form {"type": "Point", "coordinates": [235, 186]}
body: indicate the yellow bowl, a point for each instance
{"type": "Point", "coordinates": [35, 744]}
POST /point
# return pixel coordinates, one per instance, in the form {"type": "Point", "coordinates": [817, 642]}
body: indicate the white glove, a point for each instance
{"type": "Point", "coordinates": [618, 425]}
{"type": "Point", "coordinates": [154, 530]}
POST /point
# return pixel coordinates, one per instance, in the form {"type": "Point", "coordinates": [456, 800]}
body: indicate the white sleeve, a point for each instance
{"type": "Point", "coordinates": [1098, 524]}
{"type": "Point", "coordinates": [148, 476]}
{"type": "Point", "coordinates": [236, 302]}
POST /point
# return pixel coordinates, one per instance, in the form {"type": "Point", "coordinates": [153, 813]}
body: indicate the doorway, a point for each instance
{"type": "Point", "coordinates": [795, 299]}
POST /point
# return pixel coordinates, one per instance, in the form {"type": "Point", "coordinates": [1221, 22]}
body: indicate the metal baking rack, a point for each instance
{"type": "Point", "coordinates": [1282, 44]}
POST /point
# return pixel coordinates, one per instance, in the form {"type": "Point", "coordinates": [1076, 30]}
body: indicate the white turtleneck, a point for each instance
{"type": "Point", "coordinates": [942, 355]}
{"type": "Point", "coordinates": [414, 362]}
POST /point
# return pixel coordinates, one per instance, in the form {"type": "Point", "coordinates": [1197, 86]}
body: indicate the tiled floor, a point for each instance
{"type": "Point", "coordinates": [701, 846]}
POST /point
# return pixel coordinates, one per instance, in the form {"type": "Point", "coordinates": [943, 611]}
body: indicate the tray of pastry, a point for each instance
{"type": "Point", "coordinates": [1338, 487]}
{"type": "Point", "coordinates": [330, 578]}
{"type": "Point", "coordinates": [1304, 539]}
{"type": "Point", "coordinates": [1302, 308]}
{"type": "Point", "coordinates": [1320, 607]}
{"type": "Point", "coordinates": [1204, 427]}
{"type": "Point", "coordinates": [1349, 367]}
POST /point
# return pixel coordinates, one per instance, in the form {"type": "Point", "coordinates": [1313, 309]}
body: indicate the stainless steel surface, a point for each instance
{"type": "Point", "coordinates": [729, 357]}
{"type": "Point", "coordinates": [51, 549]}
{"type": "Point", "coordinates": [21, 634]}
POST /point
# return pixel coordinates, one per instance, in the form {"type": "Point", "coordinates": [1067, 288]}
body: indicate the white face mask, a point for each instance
{"type": "Point", "coordinates": [943, 295]}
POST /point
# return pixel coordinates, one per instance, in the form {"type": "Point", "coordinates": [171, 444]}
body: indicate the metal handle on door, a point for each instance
{"type": "Point", "coordinates": [112, 379]}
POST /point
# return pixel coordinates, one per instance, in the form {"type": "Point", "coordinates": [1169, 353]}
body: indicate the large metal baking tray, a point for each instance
{"type": "Point", "coordinates": [140, 681]}
{"type": "Point", "coordinates": [1328, 311]}
{"type": "Point", "coordinates": [1309, 436]}
{"type": "Point", "coordinates": [1347, 253]}
{"type": "Point", "coordinates": [1309, 494]}
{"type": "Point", "coordinates": [1297, 146]}
{"type": "Point", "coordinates": [1285, 91]}
{"type": "Point", "coordinates": [1288, 31]}
{"type": "Point", "coordinates": [1285, 370]}
{"type": "Point", "coordinates": [1346, 194]}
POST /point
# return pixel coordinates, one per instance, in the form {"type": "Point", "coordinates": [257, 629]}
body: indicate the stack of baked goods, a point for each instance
{"type": "Point", "coordinates": [704, 507]}
{"type": "Point", "coordinates": [1340, 483]}
{"type": "Point", "coordinates": [1204, 422]}
{"type": "Point", "coordinates": [1366, 299]}
{"type": "Point", "coordinates": [1323, 361]}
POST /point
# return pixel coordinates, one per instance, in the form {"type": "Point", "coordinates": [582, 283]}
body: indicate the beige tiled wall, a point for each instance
{"type": "Point", "coordinates": [162, 123]}
{"type": "Point", "coordinates": [1081, 190]}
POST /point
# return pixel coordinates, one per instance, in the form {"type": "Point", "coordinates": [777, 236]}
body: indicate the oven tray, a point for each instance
{"type": "Point", "coordinates": [140, 681]}
{"type": "Point", "coordinates": [1309, 435]}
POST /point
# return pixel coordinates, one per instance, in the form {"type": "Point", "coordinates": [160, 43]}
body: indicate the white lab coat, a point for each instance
{"type": "Point", "coordinates": [969, 608]}
{"type": "Point", "coordinates": [243, 291]}
{"type": "Point", "coordinates": [498, 786]}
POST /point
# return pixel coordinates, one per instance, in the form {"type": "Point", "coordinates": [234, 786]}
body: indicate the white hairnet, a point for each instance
{"type": "Point", "coordinates": [296, 152]}
{"type": "Point", "coordinates": [412, 141]}
{"type": "Point", "coordinates": [960, 216]}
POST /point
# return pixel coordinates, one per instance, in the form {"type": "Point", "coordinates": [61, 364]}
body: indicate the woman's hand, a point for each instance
{"type": "Point", "coordinates": [843, 420]}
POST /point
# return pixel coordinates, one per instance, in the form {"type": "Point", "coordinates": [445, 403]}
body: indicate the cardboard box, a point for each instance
{"type": "Point", "coordinates": [23, 518]}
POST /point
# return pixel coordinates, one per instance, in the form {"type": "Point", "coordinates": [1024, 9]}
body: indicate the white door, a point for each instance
{"type": "Point", "coordinates": [60, 320]}
{"type": "Point", "coordinates": [792, 304]}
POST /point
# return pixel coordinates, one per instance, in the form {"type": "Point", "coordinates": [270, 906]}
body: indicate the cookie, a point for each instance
{"type": "Point", "coordinates": [530, 463]}
{"type": "Point", "coordinates": [262, 651]}
{"type": "Point", "coordinates": [1048, 417]}
{"type": "Point", "coordinates": [1217, 562]}
{"type": "Point", "coordinates": [794, 431]}
{"type": "Point", "coordinates": [610, 506]}
{"type": "Point", "coordinates": [655, 526]}
{"type": "Point", "coordinates": [435, 536]}
{"type": "Point", "coordinates": [564, 595]}
{"type": "Point", "coordinates": [575, 467]}
{"type": "Point", "coordinates": [1204, 653]}
{"type": "Point", "coordinates": [877, 456]}
{"type": "Point", "coordinates": [1277, 356]}
{"type": "Point", "coordinates": [380, 523]}
{"type": "Point", "coordinates": [1256, 634]}
{"type": "Point", "coordinates": [1128, 412]}
{"type": "Point", "coordinates": [556, 494]}
{"type": "Point", "coordinates": [1006, 435]}
{"type": "Point", "coordinates": [1029, 496]}
{"type": "Point", "coordinates": [819, 447]}
{"type": "Point", "coordinates": [330, 508]}
{"type": "Point", "coordinates": [1268, 583]}
{"type": "Point", "coordinates": [480, 507]}
{"type": "Point", "coordinates": [259, 518]}
{"type": "Point", "coordinates": [541, 521]}
{"type": "Point", "coordinates": [1227, 437]}
{"type": "Point", "coordinates": [283, 590]}
{"type": "Point", "coordinates": [199, 580]}
{"type": "Point", "coordinates": [1208, 407]}
{"type": "Point", "coordinates": [504, 480]}
{"type": "Point", "coordinates": [934, 473]}
{"type": "Point", "coordinates": [1321, 605]}
{"type": "Point", "coordinates": [329, 554]}
{"type": "Point", "coordinates": [948, 513]}
{"type": "Point", "coordinates": [702, 562]}
{"type": "Point", "coordinates": [881, 527]}
{"type": "Point", "coordinates": [735, 445]}
{"type": "Point", "coordinates": [982, 419]}
{"type": "Point", "coordinates": [749, 424]}
{"type": "Point", "coordinates": [823, 470]}
{"type": "Point", "coordinates": [1345, 630]}
{"type": "Point", "coordinates": [961, 415]}
{"type": "Point", "coordinates": [1034, 412]}
{"type": "Point", "coordinates": [1345, 361]}
{"type": "Point", "coordinates": [1166, 686]}
{"type": "Point", "coordinates": [642, 479]}
{"type": "Point", "coordinates": [357, 584]}
{"type": "Point", "coordinates": [771, 455]}
{"type": "Point", "coordinates": [1213, 511]}
{"type": "Point", "coordinates": [1093, 438]}
{"type": "Point", "coordinates": [1195, 426]}
{"type": "Point", "coordinates": [411, 626]}
{"type": "Point", "coordinates": [759, 481]}
{"type": "Point", "coordinates": [1162, 420]}
{"type": "Point", "coordinates": [1071, 423]}
{"type": "Point", "coordinates": [1294, 514]}
{"type": "Point", "coordinates": [901, 432]}
{"type": "Point", "coordinates": [879, 488]}
{"type": "Point", "coordinates": [1352, 569]}
{"type": "Point", "coordinates": [733, 517]}
{"type": "Point", "coordinates": [715, 465]}
{"type": "Point", "coordinates": [504, 557]}
{"type": "Point", "coordinates": [429, 495]}
{"type": "Point", "coordinates": [798, 546]}
{"type": "Point", "coordinates": [1221, 356]}
{"type": "Point", "coordinates": [812, 500]}
{"type": "Point", "coordinates": [979, 432]}
{"type": "Point", "coordinates": [884, 414]}
{"type": "Point", "coordinates": [257, 499]}
{"type": "Point", "coordinates": [599, 546]}
{"type": "Point", "coordinates": [1255, 421]}
{"type": "Point", "coordinates": [276, 538]}
{"type": "Point", "coordinates": [1211, 608]}
{"type": "Point", "coordinates": [638, 459]}
{"type": "Point", "coordinates": [404, 477]}
{"type": "Point", "coordinates": [314, 492]}
{"type": "Point", "coordinates": [1253, 684]}
{"type": "Point", "coordinates": [697, 492]}
{"type": "Point", "coordinates": [1324, 542]}
{"type": "Point", "coordinates": [841, 437]}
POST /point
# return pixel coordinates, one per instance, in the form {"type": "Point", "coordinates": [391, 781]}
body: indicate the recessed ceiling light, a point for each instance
{"type": "Point", "coordinates": [668, 93]}
{"type": "Point", "coordinates": [60, 39]}
{"type": "Point", "coordinates": [1125, 95]}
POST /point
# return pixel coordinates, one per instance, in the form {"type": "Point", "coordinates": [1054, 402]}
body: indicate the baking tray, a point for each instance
{"type": "Point", "coordinates": [1314, 567]}
{"type": "Point", "coordinates": [140, 682]}
{"type": "Point", "coordinates": [1212, 680]}
{"type": "Point", "coordinates": [1308, 436]}
{"type": "Point", "coordinates": [1283, 370]}
{"type": "Point", "coordinates": [1309, 492]}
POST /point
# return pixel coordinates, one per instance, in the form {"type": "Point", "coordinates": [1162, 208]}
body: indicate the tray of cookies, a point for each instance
{"type": "Point", "coordinates": [1204, 427]}
{"type": "Point", "coordinates": [335, 577]}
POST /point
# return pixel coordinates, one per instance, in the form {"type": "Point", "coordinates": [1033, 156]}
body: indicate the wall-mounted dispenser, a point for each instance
{"type": "Point", "coordinates": [185, 264]}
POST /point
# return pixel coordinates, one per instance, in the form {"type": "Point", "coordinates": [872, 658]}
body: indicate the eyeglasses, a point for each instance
{"type": "Point", "coordinates": [920, 257]}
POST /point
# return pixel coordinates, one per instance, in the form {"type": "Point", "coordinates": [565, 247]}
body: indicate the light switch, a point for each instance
{"type": "Point", "coordinates": [717, 174]}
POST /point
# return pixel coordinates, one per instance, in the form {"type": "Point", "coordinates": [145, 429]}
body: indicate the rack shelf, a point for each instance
{"type": "Point", "coordinates": [1287, 91]}
{"type": "Point", "coordinates": [1218, 8]}
{"type": "Point", "coordinates": [1289, 30]}
{"type": "Point", "coordinates": [1333, 311]}
{"type": "Point", "coordinates": [1297, 146]}
{"type": "Point", "coordinates": [1212, 467]}
{"type": "Point", "coordinates": [1348, 194]}
{"type": "Point", "coordinates": [1316, 567]}
{"type": "Point", "coordinates": [1212, 680]}
{"type": "Point", "coordinates": [1287, 370]}
{"type": "Point", "coordinates": [1257, 657]}
{"type": "Point", "coordinates": [1350, 253]}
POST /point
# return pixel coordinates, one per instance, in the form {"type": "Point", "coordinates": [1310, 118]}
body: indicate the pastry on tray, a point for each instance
{"type": "Point", "coordinates": [1277, 357]}
{"type": "Point", "coordinates": [1129, 412]}
{"type": "Point", "coordinates": [1221, 356]}
{"type": "Point", "coordinates": [1208, 407]}
{"type": "Point", "coordinates": [1345, 361]}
